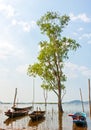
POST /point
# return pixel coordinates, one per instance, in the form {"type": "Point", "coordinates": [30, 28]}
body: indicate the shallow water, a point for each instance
{"type": "Point", "coordinates": [50, 122]}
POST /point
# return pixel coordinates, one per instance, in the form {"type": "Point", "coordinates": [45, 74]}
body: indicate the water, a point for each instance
{"type": "Point", "coordinates": [50, 122]}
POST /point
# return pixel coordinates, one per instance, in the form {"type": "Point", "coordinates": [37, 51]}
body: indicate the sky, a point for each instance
{"type": "Point", "coordinates": [19, 47]}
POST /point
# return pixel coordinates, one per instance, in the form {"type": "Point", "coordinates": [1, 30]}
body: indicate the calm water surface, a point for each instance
{"type": "Point", "coordinates": [50, 122]}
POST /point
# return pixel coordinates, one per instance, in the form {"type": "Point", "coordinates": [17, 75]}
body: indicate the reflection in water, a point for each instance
{"type": "Point", "coordinates": [35, 124]}
{"type": "Point", "coordinates": [90, 116]}
{"type": "Point", "coordinates": [60, 115]}
{"type": "Point", "coordinates": [11, 120]}
{"type": "Point", "coordinates": [52, 121]}
{"type": "Point", "coordinates": [75, 127]}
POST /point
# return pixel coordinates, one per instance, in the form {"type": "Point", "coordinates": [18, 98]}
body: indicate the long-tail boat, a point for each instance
{"type": "Point", "coordinates": [36, 115]}
{"type": "Point", "coordinates": [79, 118]}
{"type": "Point", "coordinates": [16, 111]}
{"type": "Point", "coordinates": [13, 114]}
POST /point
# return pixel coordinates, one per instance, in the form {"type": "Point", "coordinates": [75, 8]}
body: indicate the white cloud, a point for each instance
{"type": "Point", "coordinates": [3, 70]}
{"type": "Point", "coordinates": [70, 70]}
{"type": "Point", "coordinates": [89, 42]}
{"type": "Point", "coordinates": [85, 71]}
{"type": "Point", "coordinates": [83, 17]}
{"type": "Point", "coordinates": [10, 13]}
{"type": "Point", "coordinates": [74, 33]}
{"type": "Point", "coordinates": [22, 69]}
{"type": "Point", "coordinates": [8, 49]}
{"type": "Point", "coordinates": [8, 10]}
{"type": "Point", "coordinates": [86, 35]}
{"type": "Point", "coordinates": [5, 49]}
{"type": "Point", "coordinates": [25, 25]}
{"type": "Point", "coordinates": [80, 29]}
{"type": "Point", "coordinates": [73, 70]}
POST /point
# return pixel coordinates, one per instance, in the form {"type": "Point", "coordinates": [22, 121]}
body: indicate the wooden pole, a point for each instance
{"type": "Point", "coordinates": [33, 91]}
{"type": "Point", "coordinates": [14, 103]}
{"type": "Point", "coordinates": [81, 100]}
{"type": "Point", "coordinates": [45, 97]}
{"type": "Point", "coordinates": [89, 97]}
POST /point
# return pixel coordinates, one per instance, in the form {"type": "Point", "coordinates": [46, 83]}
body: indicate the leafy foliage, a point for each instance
{"type": "Point", "coordinates": [53, 52]}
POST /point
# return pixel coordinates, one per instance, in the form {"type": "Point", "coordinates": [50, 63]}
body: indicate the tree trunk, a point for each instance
{"type": "Point", "coordinates": [60, 109]}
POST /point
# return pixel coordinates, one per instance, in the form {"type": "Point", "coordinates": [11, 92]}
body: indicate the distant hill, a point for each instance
{"type": "Point", "coordinates": [69, 102]}
{"type": "Point", "coordinates": [1, 102]}
{"type": "Point", "coordinates": [76, 102]}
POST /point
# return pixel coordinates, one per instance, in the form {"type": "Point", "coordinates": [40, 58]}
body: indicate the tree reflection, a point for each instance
{"type": "Point", "coordinates": [60, 115]}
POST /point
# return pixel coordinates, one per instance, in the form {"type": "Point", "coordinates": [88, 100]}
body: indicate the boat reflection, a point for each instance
{"type": "Point", "coordinates": [36, 123]}
{"type": "Point", "coordinates": [75, 127]}
{"type": "Point", "coordinates": [11, 120]}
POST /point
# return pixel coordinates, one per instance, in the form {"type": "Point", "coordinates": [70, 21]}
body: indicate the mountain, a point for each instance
{"type": "Point", "coordinates": [1, 102]}
{"type": "Point", "coordinates": [76, 102]}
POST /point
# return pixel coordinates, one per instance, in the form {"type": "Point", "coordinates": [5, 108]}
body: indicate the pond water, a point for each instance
{"type": "Point", "coordinates": [49, 122]}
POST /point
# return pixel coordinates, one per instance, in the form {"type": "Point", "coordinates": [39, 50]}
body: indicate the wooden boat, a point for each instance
{"type": "Point", "coordinates": [37, 115]}
{"type": "Point", "coordinates": [22, 108]}
{"type": "Point", "coordinates": [79, 118]}
{"type": "Point", "coordinates": [17, 112]}
{"type": "Point", "coordinates": [13, 114]}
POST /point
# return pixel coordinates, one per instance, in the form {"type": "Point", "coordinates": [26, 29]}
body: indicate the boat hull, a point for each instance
{"type": "Point", "coordinates": [14, 114]}
{"type": "Point", "coordinates": [37, 115]}
{"type": "Point", "coordinates": [80, 123]}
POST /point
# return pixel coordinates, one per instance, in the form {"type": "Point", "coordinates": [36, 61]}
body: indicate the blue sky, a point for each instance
{"type": "Point", "coordinates": [19, 39]}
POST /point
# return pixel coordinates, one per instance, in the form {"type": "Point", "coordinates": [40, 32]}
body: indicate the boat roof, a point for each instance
{"type": "Point", "coordinates": [80, 114]}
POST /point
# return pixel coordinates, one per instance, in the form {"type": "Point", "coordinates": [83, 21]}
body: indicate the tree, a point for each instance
{"type": "Point", "coordinates": [53, 54]}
